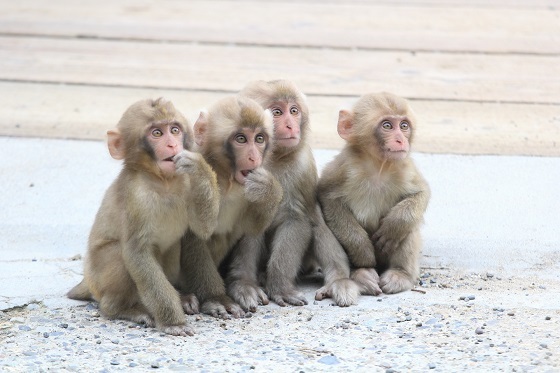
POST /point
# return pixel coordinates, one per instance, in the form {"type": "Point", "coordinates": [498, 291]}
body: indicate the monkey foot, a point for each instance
{"type": "Point", "coordinates": [344, 292]}
{"type": "Point", "coordinates": [222, 307]}
{"type": "Point", "coordinates": [291, 297]}
{"type": "Point", "coordinates": [395, 281]}
{"type": "Point", "coordinates": [190, 304]}
{"type": "Point", "coordinates": [248, 294]}
{"type": "Point", "coordinates": [178, 330]}
{"type": "Point", "coordinates": [368, 280]}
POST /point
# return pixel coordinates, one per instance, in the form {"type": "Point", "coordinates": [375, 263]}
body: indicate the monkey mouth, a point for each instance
{"type": "Point", "coordinates": [245, 173]}
{"type": "Point", "coordinates": [169, 159]}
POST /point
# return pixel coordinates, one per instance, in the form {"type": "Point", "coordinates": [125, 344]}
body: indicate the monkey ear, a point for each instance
{"type": "Point", "coordinates": [344, 124]}
{"type": "Point", "coordinates": [200, 128]}
{"type": "Point", "coordinates": [115, 144]}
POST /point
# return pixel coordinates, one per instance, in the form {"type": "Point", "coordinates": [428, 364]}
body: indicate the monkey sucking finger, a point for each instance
{"type": "Point", "coordinates": [133, 258]}
{"type": "Point", "coordinates": [279, 251]}
{"type": "Point", "coordinates": [376, 210]}
{"type": "Point", "coordinates": [233, 136]}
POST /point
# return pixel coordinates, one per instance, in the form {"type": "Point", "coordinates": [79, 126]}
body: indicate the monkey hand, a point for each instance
{"type": "Point", "coordinates": [222, 307]}
{"type": "Point", "coordinates": [248, 294]}
{"type": "Point", "coordinates": [368, 280]}
{"type": "Point", "coordinates": [344, 292]}
{"type": "Point", "coordinates": [187, 162]}
{"type": "Point", "coordinates": [261, 186]}
{"type": "Point", "coordinates": [389, 236]}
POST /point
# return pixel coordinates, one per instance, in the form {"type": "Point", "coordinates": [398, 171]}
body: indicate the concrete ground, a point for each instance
{"type": "Point", "coordinates": [489, 297]}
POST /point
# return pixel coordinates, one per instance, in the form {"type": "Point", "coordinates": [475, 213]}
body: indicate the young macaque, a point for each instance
{"type": "Point", "coordinates": [233, 136]}
{"type": "Point", "coordinates": [133, 258]}
{"type": "Point", "coordinates": [372, 195]}
{"type": "Point", "coordinates": [280, 250]}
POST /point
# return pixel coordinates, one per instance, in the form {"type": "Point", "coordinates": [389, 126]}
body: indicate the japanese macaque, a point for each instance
{"type": "Point", "coordinates": [372, 195]}
{"type": "Point", "coordinates": [279, 251]}
{"type": "Point", "coordinates": [233, 136]}
{"type": "Point", "coordinates": [133, 258]}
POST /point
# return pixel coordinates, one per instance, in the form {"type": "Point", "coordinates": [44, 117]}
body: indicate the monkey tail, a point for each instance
{"type": "Point", "coordinates": [80, 292]}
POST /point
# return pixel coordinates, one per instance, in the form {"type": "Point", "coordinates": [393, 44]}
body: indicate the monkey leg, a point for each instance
{"type": "Point", "coordinates": [403, 265]}
{"type": "Point", "coordinates": [242, 280]}
{"type": "Point", "coordinates": [200, 276]}
{"type": "Point", "coordinates": [290, 241]}
{"type": "Point", "coordinates": [334, 263]}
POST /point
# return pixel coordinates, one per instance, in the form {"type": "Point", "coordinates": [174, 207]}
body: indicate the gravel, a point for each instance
{"type": "Point", "coordinates": [443, 327]}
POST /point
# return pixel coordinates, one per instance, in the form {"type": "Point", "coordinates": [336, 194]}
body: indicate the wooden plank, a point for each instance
{"type": "Point", "coordinates": [494, 78]}
{"type": "Point", "coordinates": [504, 27]}
{"type": "Point", "coordinates": [82, 112]}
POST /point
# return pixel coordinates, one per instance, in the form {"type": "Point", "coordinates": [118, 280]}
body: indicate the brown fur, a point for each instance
{"type": "Point", "coordinates": [279, 252]}
{"type": "Point", "coordinates": [244, 209]}
{"type": "Point", "coordinates": [132, 262]}
{"type": "Point", "coordinates": [374, 205]}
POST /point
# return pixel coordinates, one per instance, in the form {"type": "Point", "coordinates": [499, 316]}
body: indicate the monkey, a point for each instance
{"type": "Point", "coordinates": [373, 196]}
{"type": "Point", "coordinates": [132, 263]}
{"type": "Point", "coordinates": [280, 251]}
{"type": "Point", "coordinates": [233, 136]}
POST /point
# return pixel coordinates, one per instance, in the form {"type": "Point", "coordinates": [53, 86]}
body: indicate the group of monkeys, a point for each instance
{"type": "Point", "coordinates": [223, 216]}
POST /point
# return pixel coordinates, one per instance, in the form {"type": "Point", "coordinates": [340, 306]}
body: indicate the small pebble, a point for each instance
{"type": "Point", "coordinates": [24, 328]}
{"type": "Point", "coordinates": [511, 313]}
{"type": "Point", "coordinates": [113, 362]}
{"type": "Point", "coordinates": [431, 366]}
{"type": "Point", "coordinates": [479, 331]}
{"type": "Point", "coordinates": [547, 318]}
{"type": "Point", "coordinates": [46, 335]}
{"type": "Point", "coordinates": [543, 345]}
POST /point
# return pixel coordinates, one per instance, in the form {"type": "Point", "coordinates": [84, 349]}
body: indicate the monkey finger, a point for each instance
{"type": "Point", "coordinates": [178, 330]}
{"type": "Point", "coordinates": [323, 293]}
{"type": "Point", "coordinates": [190, 304]}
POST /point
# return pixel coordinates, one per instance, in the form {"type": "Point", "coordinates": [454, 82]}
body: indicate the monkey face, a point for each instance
{"type": "Point", "coordinates": [248, 146]}
{"type": "Point", "coordinates": [166, 141]}
{"type": "Point", "coordinates": [287, 123]}
{"type": "Point", "coordinates": [392, 135]}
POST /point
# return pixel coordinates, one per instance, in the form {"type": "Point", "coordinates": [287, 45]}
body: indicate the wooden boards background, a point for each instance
{"type": "Point", "coordinates": [483, 77]}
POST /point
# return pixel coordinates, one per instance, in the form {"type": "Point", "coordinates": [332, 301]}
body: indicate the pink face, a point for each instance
{"type": "Point", "coordinates": [166, 140]}
{"type": "Point", "coordinates": [287, 120]}
{"type": "Point", "coordinates": [248, 146]}
{"type": "Point", "coordinates": [392, 135]}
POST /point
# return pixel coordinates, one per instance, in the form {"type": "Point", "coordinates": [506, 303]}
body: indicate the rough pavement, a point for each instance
{"type": "Point", "coordinates": [488, 298]}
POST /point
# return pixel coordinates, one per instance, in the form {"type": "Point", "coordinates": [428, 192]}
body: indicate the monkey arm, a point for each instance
{"type": "Point", "coordinates": [242, 280]}
{"type": "Point", "coordinates": [204, 195]}
{"type": "Point", "coordinates": [156, 292]}
{"type": "Point", "coordinates": [348, 231]}
{"type": "Point", "coordinates": [403, 218]}
{"type": "Point", "coordinates": [264, 194]}
{"type": "Point", "coordinates": [199, 275]}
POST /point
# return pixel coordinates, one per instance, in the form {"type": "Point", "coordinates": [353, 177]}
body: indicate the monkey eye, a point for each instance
{"type": "Point", "coordinates": [156, 132]}
{"type": "Point", "coordinates": [259, 138]}
{"type": "Point", "coordinates": [240, 138]}
{"type": "Point", "coordinates": [404, 125]}
{"type": "Point", "coordinates": [175, 130]}
{"type": "Point", "coordinates": [294, 110]}
{"type": "Point", "coordinates": [387, 125]}
{"type": "Point", "coordinates": [276, 112]}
